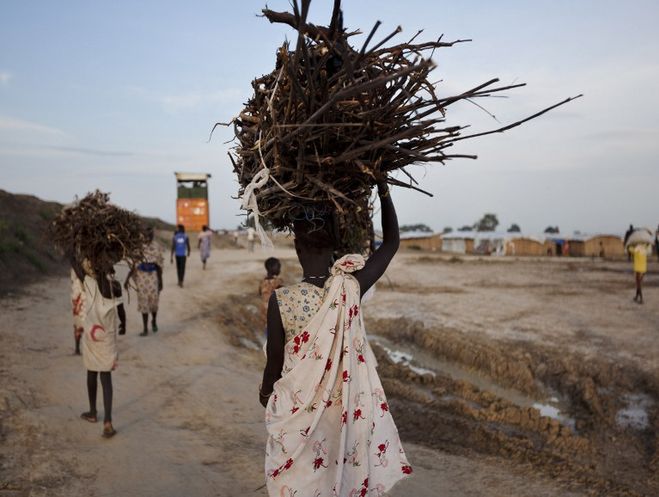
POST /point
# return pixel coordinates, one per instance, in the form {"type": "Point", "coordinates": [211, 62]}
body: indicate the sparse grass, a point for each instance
{"type": "Point", "coordinates": [9, 247]}
{"type": "Point", "coordinates": [47, 214]}
{"type": "Point", "coordinates": [21, 235]}
{"type": "Point", "coordinates": [34, 259]}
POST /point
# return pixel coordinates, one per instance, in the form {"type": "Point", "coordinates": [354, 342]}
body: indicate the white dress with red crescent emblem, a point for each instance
{"type": "Point", "coordinates": [99, 340]}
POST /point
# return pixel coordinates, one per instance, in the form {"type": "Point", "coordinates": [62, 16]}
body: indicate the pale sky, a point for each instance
{"type": "Point", "coordinates": [119, 95]}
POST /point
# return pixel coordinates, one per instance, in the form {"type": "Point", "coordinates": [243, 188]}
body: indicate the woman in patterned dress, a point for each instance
{"type": "Point", "coordinates": [330, 433]}
{"type": "Point", "coordinates": [148, 282]}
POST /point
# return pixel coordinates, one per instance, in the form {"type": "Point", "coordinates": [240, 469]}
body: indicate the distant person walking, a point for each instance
{"type": "Point", "coordinates": [148, 282]}
{"type": "Point", "coordinates": [204, 244]}
{"type": "Point", "coordinates": [639, 253]}
{"type": "Point", "coordinates": [656, 242]}
{"type": "Point", "coordinates": [180, 248]}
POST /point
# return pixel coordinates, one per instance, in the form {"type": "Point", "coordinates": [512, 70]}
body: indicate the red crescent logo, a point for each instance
{"type": "Point", "coordinates": [93, 331]}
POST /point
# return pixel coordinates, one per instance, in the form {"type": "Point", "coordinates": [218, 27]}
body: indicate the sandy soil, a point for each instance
{"type": "Point", "coordinates": [484, 342]}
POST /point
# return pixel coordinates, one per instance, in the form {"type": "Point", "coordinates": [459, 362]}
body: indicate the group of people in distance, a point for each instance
{"type": "Point", "coordinates": [99, 315]}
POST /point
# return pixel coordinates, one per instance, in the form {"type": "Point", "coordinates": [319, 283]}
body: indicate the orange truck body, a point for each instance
{"type": "Point", "coordinates": [192, 200]}
{"type": "Point", "coordinates": [192, 213]}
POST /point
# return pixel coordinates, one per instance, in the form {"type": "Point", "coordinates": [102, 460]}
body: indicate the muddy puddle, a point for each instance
{"type": "Point", "coordinates": [593, 425]}
{"type": "Point", "coordinates": [422, 362]}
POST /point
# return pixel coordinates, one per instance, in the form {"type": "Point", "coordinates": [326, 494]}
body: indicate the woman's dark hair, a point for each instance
{"type": "Point", "coordinates": [180, 227]}
{"type": "Point", "coordinates": [316, 234]}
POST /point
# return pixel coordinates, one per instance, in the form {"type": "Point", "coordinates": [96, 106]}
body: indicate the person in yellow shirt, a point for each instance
{"type": "Point", "coordinates": [639, 254]}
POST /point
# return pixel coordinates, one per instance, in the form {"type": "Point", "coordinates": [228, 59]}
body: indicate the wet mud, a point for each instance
{"type": "Point", "coordinates": [591, 423]}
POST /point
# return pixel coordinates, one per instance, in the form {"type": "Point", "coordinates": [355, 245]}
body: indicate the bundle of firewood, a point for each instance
{"type": "Point", "coordinates": [95, 230]}
{"type": "Point", "coordinates": [331, 120]}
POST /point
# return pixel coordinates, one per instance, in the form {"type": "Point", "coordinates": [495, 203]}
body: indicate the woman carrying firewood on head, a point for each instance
{"type": "Point", "coordinates": [96, 235]}
{"type": "Point", "coordinates": [330, 432]}
{"type": "Point", "coordinates": [104, 317]}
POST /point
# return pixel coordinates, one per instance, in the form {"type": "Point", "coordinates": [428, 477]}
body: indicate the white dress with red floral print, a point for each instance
{"type": "Point", "coordinates": [330, 433]}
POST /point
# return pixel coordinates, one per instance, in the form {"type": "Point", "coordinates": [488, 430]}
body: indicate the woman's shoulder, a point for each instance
{"type": "Point", "coordinates": [290, 290]}
{"type": "Point", "coordinates": [286, 289]}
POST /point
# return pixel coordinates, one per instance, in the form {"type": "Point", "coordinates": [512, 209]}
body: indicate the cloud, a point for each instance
{"type": "Point", "coordinates": [12, 124]}
{"type": "Point", "coordinates": [186, 101]}
{"type": "Point", "coordinates": [5, 77]}
{"type": "Point", "coordinates": [90, 151]}
{"type": "Point", "coordinates": [46, 151]}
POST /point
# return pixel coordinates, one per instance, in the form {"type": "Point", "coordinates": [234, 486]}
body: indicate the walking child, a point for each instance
{"type": "Point", "coordinates": [269, 284]}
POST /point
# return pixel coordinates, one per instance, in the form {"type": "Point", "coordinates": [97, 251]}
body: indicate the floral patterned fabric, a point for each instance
{"type": "Point", "coordinates": [297, 305]}
{"type": "Point", "coordinates": [330, 433]}
{"type": "Point", "coordinates": [146, 282]}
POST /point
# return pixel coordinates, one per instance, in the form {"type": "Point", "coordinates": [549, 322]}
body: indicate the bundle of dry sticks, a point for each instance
{"type": "Point", "coordinates": [94, 229]}
{"type": "Point", "coordinates": [331, 120]}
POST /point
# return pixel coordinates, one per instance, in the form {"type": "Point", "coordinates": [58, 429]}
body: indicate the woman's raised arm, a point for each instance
{"type": "Point", "coordinates": [377, 264]}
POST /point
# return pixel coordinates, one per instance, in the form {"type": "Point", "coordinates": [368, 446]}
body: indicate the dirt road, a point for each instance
{"type": "Point", "coordinates": [186, 410]}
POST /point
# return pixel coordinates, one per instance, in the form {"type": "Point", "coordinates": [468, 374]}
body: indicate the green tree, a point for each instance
{"type": "Point", "coordinates": [415, 227]}
{"type": "Point", "coordinates": [466, 228]}
{"type": "Point", "coordinates": [514, 228]}
{"type": "Point", "coordinates": [447, 229]}
{"type": "Point", "coordinates": [552, 229]}
{"type": "Point", "coordinates": [488, 222]}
